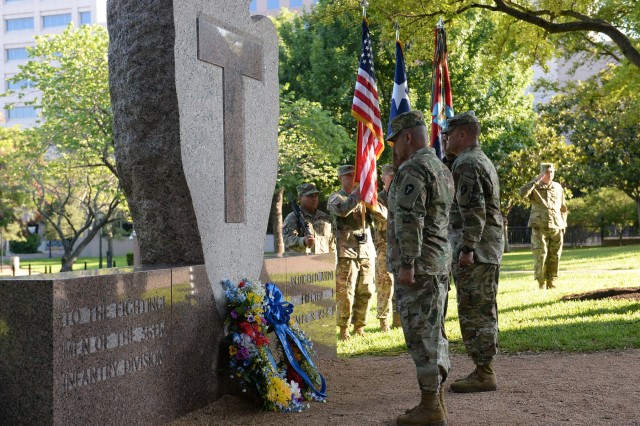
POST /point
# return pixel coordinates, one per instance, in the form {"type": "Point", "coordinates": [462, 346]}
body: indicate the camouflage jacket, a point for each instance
{"type": "Point", "coordinates": [548, 207]}
{"type": "Point", "coordinates": [380, 237]}
{"type": "Point", "coordinates": [351, 239]}
{"type": "Point", "coordinates": [320, 227]}
{"type": "Point", "coordinates": [420, 197]}
{"type": "Point", "coordinates": [476, 220]}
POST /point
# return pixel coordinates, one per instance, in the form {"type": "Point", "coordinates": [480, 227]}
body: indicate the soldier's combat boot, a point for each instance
{"type": "Point", "coordinates": [397, 322]}
{"type": "Point", "coordinates": [384, 325]}
{"type": "Point", "coordinates": [429, 412]}
{"type": "Point", "coordinates": [541, 284]}
{"type": "Point", "coordinates": [359, 331]}
{"type": "Point", "coordinates": [482, 379]}
{"type": "Point", "coordinates": [442, 404]}
{"type": "Point", "coordinates": [550, 285]}
{"type": "Point", "coordinates": [344, 333]}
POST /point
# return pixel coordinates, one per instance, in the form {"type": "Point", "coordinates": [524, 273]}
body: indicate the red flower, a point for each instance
{"type": "Point", "coordinates": [261, 341]}
{"type": "Point", "coordinates": [241, 284]}
{"type": "Point", "coordinates": [292, 375]}
{"type": "Point", "coordinates": [247, 329]}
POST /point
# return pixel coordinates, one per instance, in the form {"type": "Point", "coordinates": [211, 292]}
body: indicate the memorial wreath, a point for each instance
{"type": "Point", "coordinates": [284, 384]}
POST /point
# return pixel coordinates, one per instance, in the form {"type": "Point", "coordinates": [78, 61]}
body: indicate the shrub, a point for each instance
{"type": "Point", "coordinates": [130, 259]}
{"type": "Point", "coordinates": [29, 246]}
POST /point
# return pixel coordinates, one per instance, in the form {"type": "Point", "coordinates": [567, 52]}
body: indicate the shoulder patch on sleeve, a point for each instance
{"type": "Point", "coordinates": [410, 188]}
{"type": "Point", "coordinates": [465, 190]}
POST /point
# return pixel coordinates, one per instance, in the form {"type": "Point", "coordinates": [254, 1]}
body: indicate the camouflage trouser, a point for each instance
{"type": "Point", "coordinates": [384, 283]}
{"type": "Point", "coordinates": [546, 245]}
{"type": "Point", "coordinates": [421, 306]}
{"type": "Point", "coordinates": [477, 289]}
{"type": "Point", "coordinates": [354, 287]}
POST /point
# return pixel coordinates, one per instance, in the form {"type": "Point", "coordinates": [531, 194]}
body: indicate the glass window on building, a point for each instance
{"type": "Point", "coordinates": [295, 3]}
{"type": "Point", "coordinates": [253, 6]}
{"type": "Point", "coordinates": [56, 20]}
{"type": "Point", "coordinates": [19, 85]}
{"type": "Point", "coordinates": [21, 112]}
{"type": "Point", "coordinates": [17, 53]}
{"type": "Point", "coordinates": [18, 24]}
{"type": "Point", "coordinates": [85, 18]}
{"type": "Point", "coordinates": [273, 4]}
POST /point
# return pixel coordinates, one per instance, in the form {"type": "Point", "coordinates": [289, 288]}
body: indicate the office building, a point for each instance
{"type": "Point", "coordinates": [22, 20]}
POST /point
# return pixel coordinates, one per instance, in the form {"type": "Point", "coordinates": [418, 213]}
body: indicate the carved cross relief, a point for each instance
{"type": "Point", "coordinates": [238, 56]}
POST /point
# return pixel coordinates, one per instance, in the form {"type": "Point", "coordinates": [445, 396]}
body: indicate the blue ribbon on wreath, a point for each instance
{"type": "Point", "coordinates": [277, 313]}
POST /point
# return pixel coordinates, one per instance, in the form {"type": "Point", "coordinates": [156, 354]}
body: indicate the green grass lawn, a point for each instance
{"type": "Point", "coordinates": [534, 320]}
{"type": "Point", "coordinates": [38, 265]}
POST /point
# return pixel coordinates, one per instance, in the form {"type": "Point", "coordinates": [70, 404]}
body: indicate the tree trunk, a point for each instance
{"type": "Point", "coordinates": [67, 259]}
{"type": "Point", "coordinates": [109, 250]}
{"type": "Point", "coordinates": [507, 248]}
{"type": "Point", "coordinates": [276, 221]}
{"type": "Point", "coordinates": [638, 206]}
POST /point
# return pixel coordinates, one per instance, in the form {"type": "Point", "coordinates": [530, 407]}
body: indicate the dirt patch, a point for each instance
{"type": "Point", "coordinates": [533, 389]}
{"type": "Point", "coordinates": [632, 293]}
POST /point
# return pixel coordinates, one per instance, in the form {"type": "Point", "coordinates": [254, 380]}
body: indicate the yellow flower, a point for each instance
{"type": "Point", "coordinates": [232, 350]}
{"type": "Point", "coordinates": [253, 298]}
{"type": "Point", "coordinates": [278, 391]}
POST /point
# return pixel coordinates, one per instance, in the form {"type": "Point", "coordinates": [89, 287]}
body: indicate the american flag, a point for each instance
{"type": "Point", "coordinates": [441, 99]}
{"type": "Point", "coordinates": [366, 109]}
{"type": "Point", "coordinates": [400, 97]}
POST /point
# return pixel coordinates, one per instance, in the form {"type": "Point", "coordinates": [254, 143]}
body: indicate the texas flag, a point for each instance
{"type": "Point", "coordinates": [400, 96]}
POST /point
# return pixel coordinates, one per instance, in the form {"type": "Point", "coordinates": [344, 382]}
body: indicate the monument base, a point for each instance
{"type": "Point", "coordinates": [119, 346]}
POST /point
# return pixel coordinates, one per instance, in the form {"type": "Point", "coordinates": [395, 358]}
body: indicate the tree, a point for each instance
{"type": "Point", "coordinates": [605, 27]}
{"type": "Point", "coordinates": [74, 199]}
{"type": "Point", "coordinates": [319, 57]}
{"type": "Point", "coordinates": [310, 146]}
{"type": "Point", "coordinates": [13, 194]}
{"type": "Point", "coordinates": [69, 74]}
{"type": "Point", "coordinates": [604, 207]}
{"type": "Point", "coordinates": [68, 162]}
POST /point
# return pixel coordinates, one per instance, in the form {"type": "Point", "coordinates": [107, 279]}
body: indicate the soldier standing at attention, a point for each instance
{"type": "Point", "coordinates": [548, 222]}
{"type": "Point", "coordinates": [384, 278]}
{"type": "Point", "coordinates": [419, 256]}
{"type": "Point", "coordinates": [354, 272]}
{"type": "Point", "coordinates": [321, 238]}
{"type": "Point", "coordinates": [477, 240]}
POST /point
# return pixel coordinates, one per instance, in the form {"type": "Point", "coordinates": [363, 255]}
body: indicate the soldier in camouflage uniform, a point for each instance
{"type": "Point", "coordinates": [321, 238]}
{"type": "Point", "coordinates": [355, 269]}
{"type": "Point", "coordinates": [548, 222]}
{"type": "Point", "coordinates": [384, 278]}
{"type": "Point", "coordinates": [476, 233]}
{"type": "Point", "coordinates": [419, 256]}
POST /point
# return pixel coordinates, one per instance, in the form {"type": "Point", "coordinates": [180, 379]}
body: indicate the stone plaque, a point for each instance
{"type": "Point", "coordinates": [226, 65]}
{"type": "Point", "coordinates": [309, 283]}
{"type": "Point", "coordinates": [119, 346]}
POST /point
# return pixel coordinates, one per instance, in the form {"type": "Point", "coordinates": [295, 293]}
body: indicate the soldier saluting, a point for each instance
{"type": "Point", "coordinates": [548, 221]}
{"type": "Point", "coordinates": [319, 238]}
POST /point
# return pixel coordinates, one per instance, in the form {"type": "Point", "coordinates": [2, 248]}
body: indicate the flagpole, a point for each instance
{"type": "Point", "coordinates": [363, 206]}
{"type": "Point", "coordinates": [397, 28]}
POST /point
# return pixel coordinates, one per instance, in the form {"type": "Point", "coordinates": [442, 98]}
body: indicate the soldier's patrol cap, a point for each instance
{"type": "Point", "coordinates": [347, 168]}
{"type": "Point", "coordinates": [307, 189]}
{"type": "Point", "coordinates": [544, 167]}
{"type": "Point", "coordinates": [388, 169]}
{"type": "Point", "coordinates": [467, 117]}
{"type": "Point", "coordinates": [403, 121]}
